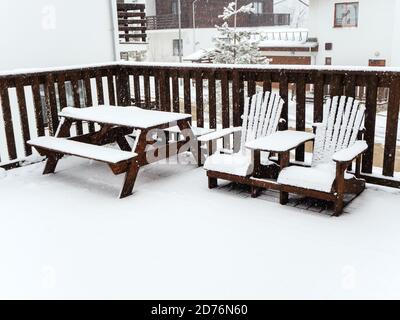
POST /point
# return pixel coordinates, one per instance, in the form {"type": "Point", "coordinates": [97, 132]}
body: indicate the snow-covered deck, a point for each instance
{"type": "Point", "coordinates": [67, 236]}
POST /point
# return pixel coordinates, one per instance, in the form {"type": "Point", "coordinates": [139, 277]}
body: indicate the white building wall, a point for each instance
{"type": "Point", "coordinates": [150, 7]}
{"type": "Point", "coordinates": [46, 33]}
{"type": "Point", "coordinates": [396, 37]}
{"type": "Point", "coordinates": [161, 43]}
{"type": "Point", "coordinates": [372, 39]}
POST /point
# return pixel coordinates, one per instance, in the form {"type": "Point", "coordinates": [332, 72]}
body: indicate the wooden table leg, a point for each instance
{"type": "Point", "coordinates": [130, 179]}
{"type": "Point", "coordinates": [123, 144]}
{"type": "Point", "coordinates": [134, 167]}
{"type": "Point", "coordinates": [63, 131]}
{"type": "Point", "coordinates": [64, 128]}
{"type": "Point", "coordinates": [51, 164]}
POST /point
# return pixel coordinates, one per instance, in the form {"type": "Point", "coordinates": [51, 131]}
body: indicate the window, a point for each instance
{"type": "Point", "coordinates": [258, 7]}
{"type": "Point", "coordinates": [174, 7]}
{"type": "Point", "coordinates": [346, 15]}
{"type": "Point", "coordinates": [377, 63]}
{"type": "Point", "coordinates": [175, 46]}
{"type": "Point", "coordinates": [328, 46]}
{"type": "Point", "coordinates": [328, 61]}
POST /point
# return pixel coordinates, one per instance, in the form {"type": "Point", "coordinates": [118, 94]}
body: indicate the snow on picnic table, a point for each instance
{"type": "Point", "coordinates": [67, 236]}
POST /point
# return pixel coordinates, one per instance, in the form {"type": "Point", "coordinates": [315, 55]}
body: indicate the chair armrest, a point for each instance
{"type": "Point", "coordinates": [219, 134]}
{"type": "Point", "coordinates": [281, 141]}
{"type": "Point", "coordinates": [317, 124]}
{"type": "Point", "coordinates": [351, 153]}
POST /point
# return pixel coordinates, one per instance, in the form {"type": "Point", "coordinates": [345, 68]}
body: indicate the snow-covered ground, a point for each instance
{"type": "Point", "coordinates": [67, 236]}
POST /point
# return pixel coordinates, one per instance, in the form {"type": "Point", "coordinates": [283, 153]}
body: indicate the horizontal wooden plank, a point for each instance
{"type": "Point", "coordinates": [135, 36]}
{"type": "Point", "coordinates": [123, 14]}
{"type": "Point", "coordinates": [131, 21]}
{"type": "Point", "coordinates": [131, 6]}
{"type": "Point", "coordinates": [123, 28]}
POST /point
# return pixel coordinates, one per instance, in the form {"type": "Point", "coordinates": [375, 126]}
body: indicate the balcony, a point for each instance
{"type": "Point", "coordinates": [147, 244]}
{"type": "Point", "coordinates": [131, 22]}
{"type": "Point", "coordinates": [170, 21]}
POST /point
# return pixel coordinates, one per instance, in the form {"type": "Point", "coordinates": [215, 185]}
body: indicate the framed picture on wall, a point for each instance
{"type": "Point", "coordinates": [346, 14]}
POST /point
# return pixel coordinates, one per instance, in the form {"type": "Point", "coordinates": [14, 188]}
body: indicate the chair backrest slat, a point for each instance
{"type": "Point", "coordinates": [256, 122]}
{"type": "Point", "coordinates": [261, 116]}
{"type": "Point", "coordinates": [343, 119]}
{"type": "Point", "coordinates": [331, 123]}
{"type": "Point", "coordinates": [275, 117]}
{"type": "Point", "coordinates": [245, 121]}
{"type": "Point", "coordinates": [251, 117]}
{"type": "Point", "coordinates": [349, 127]}
{"type": "Point", "coordinates": [336, 129]}
{"type": "Point", "coordinates": [267, 123]}
{"type": "Point", "coordinates": [349, 108]}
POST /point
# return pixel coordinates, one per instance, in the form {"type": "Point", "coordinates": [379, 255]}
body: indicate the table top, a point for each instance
{"type": "Point", "coordinates": [281, 141]}
{"type": "Point", "coordinates": [124, 116]}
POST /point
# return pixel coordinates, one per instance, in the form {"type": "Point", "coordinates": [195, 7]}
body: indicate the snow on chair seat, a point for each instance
{"type": "Point", "coordinates": [83, 150]}
{"type": "Point", "coordinates": [320, 177]}
{"type": "Point", "coordinates": [236, 164]}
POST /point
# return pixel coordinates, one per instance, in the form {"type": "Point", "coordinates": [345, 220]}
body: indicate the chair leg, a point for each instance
{"type": "Point", "coordinates": [283, 198]}
{"type": "Point", "coordinates": [51, 165]}
{"type": "Point", "coordinates": [255, 192]}
{"type": "Point", "coordinates": [340, 188]}
{"type": "Point", "coordinates": [199, 155]}
{"type": "Point", "coordinates": [212, 183]}
{"type": "Point", "coordinates": [130, 178]}
{"type": "Point", "coordinates": [339, 204]}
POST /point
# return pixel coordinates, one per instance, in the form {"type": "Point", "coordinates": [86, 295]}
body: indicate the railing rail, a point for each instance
{"type": "Point", "coordinates": [166, 21]}
{"type": "Point", "coordinates": [213, 94]}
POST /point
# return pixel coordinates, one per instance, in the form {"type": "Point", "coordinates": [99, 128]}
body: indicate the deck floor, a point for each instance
{"type": "Point", "coordinates": [68, 236]}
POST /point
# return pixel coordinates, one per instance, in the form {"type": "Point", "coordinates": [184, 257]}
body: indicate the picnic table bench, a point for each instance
{"type": "Point", "coordinates": [115, 124]}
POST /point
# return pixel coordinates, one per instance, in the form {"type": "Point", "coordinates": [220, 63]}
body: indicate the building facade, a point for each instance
{"type": "Point", "coordinates": [198, 24]}
{"type": "Point", "coordinates": [359, 33]}
{"type": "Point", "coordinates": [206, 13]}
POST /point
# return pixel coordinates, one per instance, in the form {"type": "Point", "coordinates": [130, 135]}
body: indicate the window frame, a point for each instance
{"type": "Point", "coordinates": [174, 7]}
{"type": "Point", "coordinates": [336, 25]}
{"type": "Point", "coordinates": [328, 61]}
{"type": "Point", "coordinates": [258, 5]}
{"type": "Point", "coordinates": [177, 48]}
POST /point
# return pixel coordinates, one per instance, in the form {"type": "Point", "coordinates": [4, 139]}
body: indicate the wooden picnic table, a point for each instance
{"type": "Point", "coordinates": [116, 123]}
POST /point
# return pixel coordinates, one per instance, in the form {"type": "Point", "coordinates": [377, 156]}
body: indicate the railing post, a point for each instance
{"type": "Point", "coordinates": [51, 104]}
{"type": "Point", "coordinates": [391, 127]}
{"type": "Point", "coordinates": [370, 122]}
{"type": "Point", "coordinates": [283, 92]}
{"type": "Point", "coordinates": [123, 88]}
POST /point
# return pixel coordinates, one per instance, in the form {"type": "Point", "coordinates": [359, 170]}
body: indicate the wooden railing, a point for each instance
{"type": "Point", "coordinates": [166, 21]}
{"type": "Point", "coordinates": [213, 94]}
{"type": "Point", "coordinates": [131, 22]}
{"type": "Point", "coordinates": [269, 19]}
{"type": "Point", "coordinates": [170, 21]}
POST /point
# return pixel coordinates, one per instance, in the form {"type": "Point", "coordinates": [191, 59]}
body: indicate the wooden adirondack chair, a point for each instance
{"type": "Point", "coordinates": [261, 117]}
{"type": "Point", "coordinates": [335, 148]}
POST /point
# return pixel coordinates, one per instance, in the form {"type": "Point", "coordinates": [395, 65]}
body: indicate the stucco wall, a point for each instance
{"type": "Point", "coordinates": [372, 39]}
{"type": "Point", "coordinates": [46, 33]}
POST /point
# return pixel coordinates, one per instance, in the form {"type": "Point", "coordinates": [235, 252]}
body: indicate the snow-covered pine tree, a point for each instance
{"type": "Point", "coordinates": [236, 46]}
